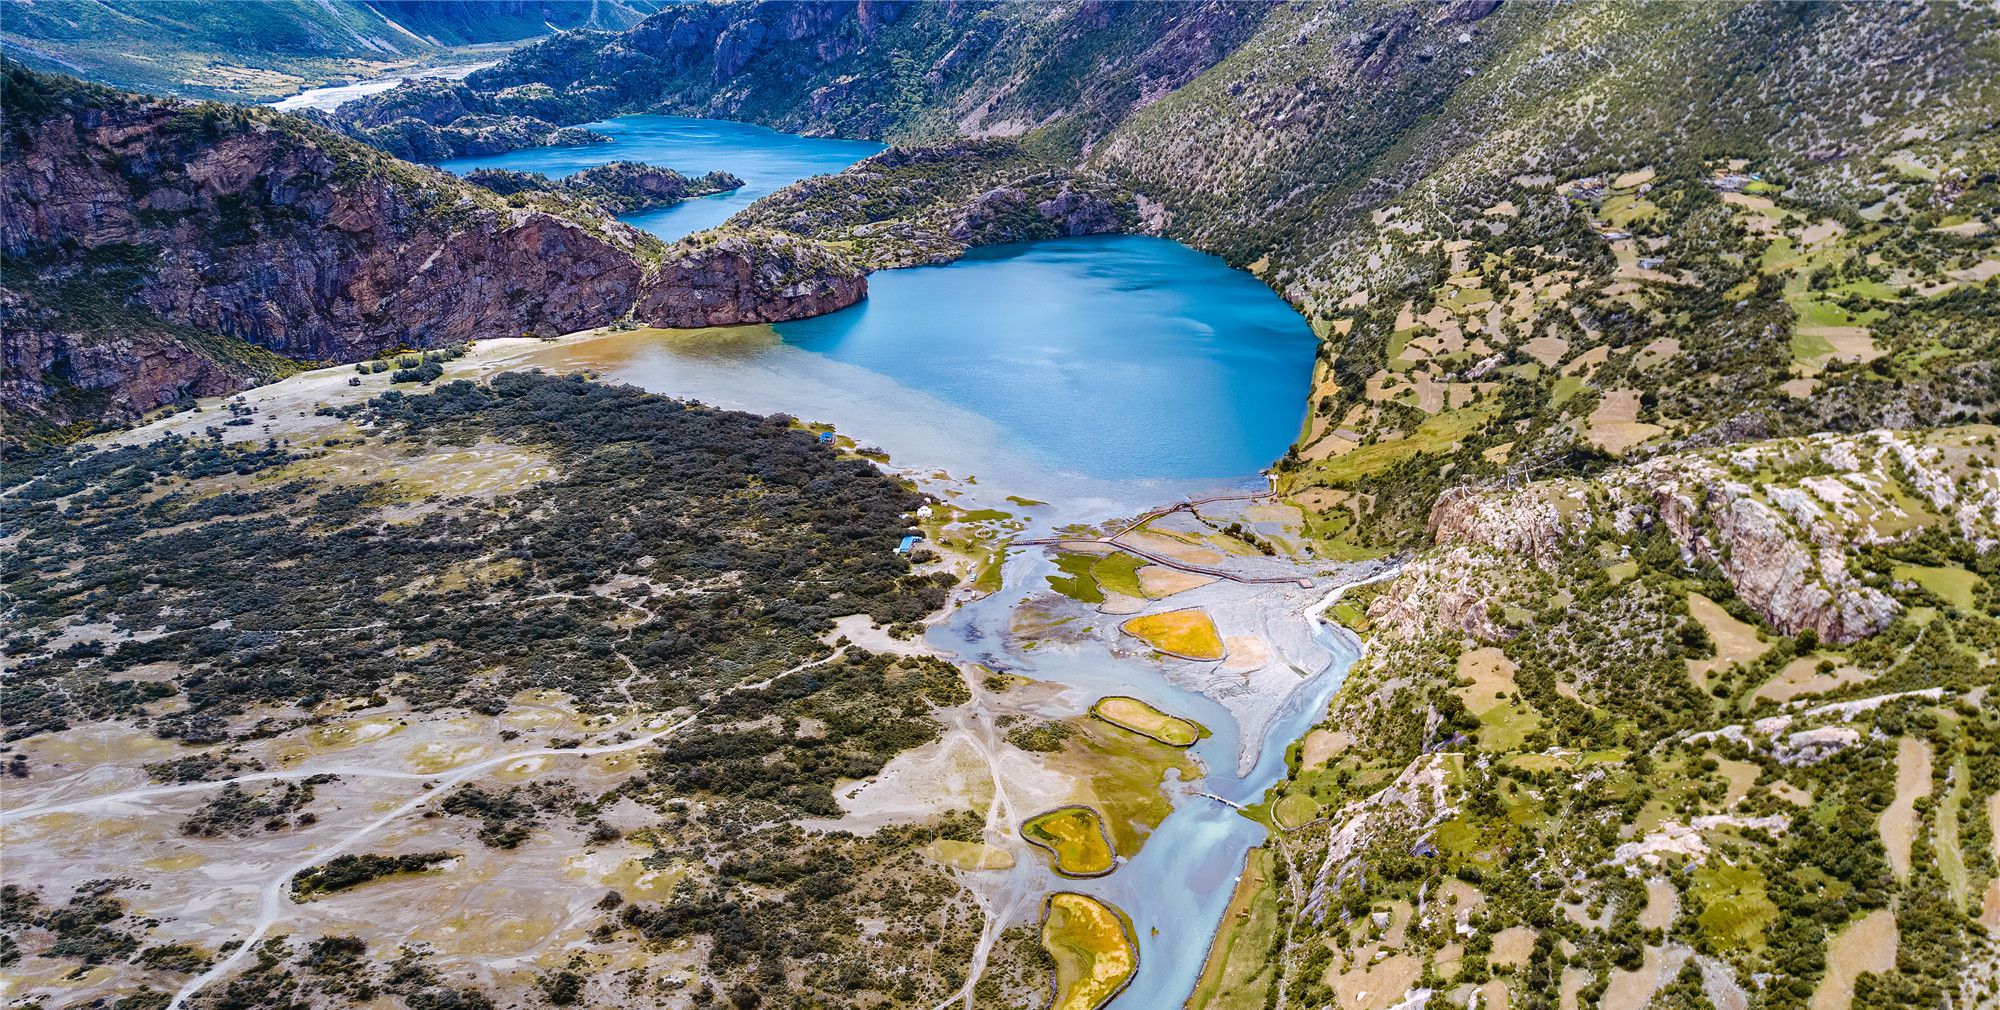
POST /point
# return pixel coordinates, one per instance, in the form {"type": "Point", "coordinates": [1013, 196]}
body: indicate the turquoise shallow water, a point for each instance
{"type": "Point", "coordinates": [764, 159]}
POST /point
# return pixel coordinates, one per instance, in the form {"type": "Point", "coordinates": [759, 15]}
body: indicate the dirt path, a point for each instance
{"type": "Point", "coordinates": [1899, 822]}
{"type": "Point", "coordinates": [1001, 822]}
{"type": "Point", "coordinates": [272, 905]}
{"type": "Point", "coordinates": [153, 792]}
{"type": "Point", "coordinates": [273, 901]}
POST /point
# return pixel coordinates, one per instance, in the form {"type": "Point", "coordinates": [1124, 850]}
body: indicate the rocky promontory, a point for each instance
{"type": "Point", "coordinates": [430, 119]}
{"type": "Point", "coordinates": [729, 277]}
{"type": "Point", "coordinates": [620, 187]}
{"type": "Point", "coordinates": [926, 205]}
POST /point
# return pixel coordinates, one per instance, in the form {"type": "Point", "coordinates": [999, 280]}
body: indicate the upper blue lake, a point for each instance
{"type": "Point", "coordinates": [764, 159]}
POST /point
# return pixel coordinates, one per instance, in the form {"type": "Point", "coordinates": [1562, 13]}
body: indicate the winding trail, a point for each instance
{"type": "Point", "coordinates": [54, 806]}
{"type": "Point", "coordinates": [272, 902]}
{"type": "Point", "coordinates": [1001, 816]}
{"type": "Point", "coordinates": [272, 905]}
{"type": "Point", "coordinates": [1001, 821]}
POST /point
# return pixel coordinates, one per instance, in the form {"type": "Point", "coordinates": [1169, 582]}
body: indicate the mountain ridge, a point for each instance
{"type": "Point", "coordinates": [270, 49]}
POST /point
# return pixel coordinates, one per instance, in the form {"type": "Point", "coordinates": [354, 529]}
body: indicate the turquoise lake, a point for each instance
{"type": "Point", "coordinates": [1116, 359]}
{"type": "Point", "coordinates": [764, 159]}
{"type": "Point", "coordinates": [1122, 356]}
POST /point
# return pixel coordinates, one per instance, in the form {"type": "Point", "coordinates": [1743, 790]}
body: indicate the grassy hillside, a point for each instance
{"type": "Point", "coordinates": [1535, 239]}
{"type": "Point", "coordinates": [1575, 766]}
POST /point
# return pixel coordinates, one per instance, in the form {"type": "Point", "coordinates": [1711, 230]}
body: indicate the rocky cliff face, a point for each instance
{"type": "Point", "coordinates": [1795, 574]}
{"type": "Point", "coordinates": [158, 249]}
{"type": "Point", "coordinates": [731, 277]}
{"type": "Point", "coordinates": [50, 379]}
{"type": "Point", "coordinates": [1779, 519]}
{"type": "Point", "coordinates": [262, 228]}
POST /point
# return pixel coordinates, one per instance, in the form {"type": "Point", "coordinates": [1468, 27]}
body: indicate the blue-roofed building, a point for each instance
{"type": "Point", "coordinates": [826, 438]}
{"type": "Point", "coordinates": [908, 542]}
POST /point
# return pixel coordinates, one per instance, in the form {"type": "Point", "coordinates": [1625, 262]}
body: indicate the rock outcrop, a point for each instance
{"type": "Point", "coordinates": [1012, 214]}
{"type": "Point", "coordinates": [50, 379]}
{"type": "Point", "coordinates": [1796, 576]}
{"type": "Point", "coordinates": [733, 277]}
{"type": "Point", "coordinates": [1531, 525]}
{"type": "Point", "coordinates": [1779, 519]}
{"type": "Point", "coordinates": [925, 205]}
{"type": "Point", "coordinates": [1449, 593]}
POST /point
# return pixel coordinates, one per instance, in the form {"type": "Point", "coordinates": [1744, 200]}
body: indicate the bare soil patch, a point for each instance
{"type": "Point", "coordinates": [1662, 904]}
{"type": "Point", "coordinates": [1246, 652]}
{"type": "Point", "coordinates": [1735, 641]}
{"type": "Point", "coordinates": [1321, 745]}
{"type": "Point", "coordinates": [1179, 550]}
{"type": "Point", "coordinates": [1898, 824]}
{"type": "Point", "coordinates": [1492, 675]}
{"type": "Point", "coordinates": [1378, 986]}
{"type": "Point", "coordinates": [1512, 946]}
{"type": "Point", "coordinates": [1802, 677]}
{"type": "Point", "coordinates": [1160, 582]}
{"type": "Point", "coordinates": [1615, 426]}
{"type": "Point", "coordinates": [1868, 945]}
{"type": "Point", "coordinates": [1547, 350]}
{"type": "Point", "coordinates": [1632, 990]}
{"type": "Point", "coordinates": [1849, 343]}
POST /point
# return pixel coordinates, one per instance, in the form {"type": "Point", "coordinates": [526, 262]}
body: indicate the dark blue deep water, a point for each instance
{"type": "Point", "coordinates": [765, 160]}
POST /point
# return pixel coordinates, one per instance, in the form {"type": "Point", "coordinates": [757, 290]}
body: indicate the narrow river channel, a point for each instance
{"type": "Point", "coordinates": [1176, 888]}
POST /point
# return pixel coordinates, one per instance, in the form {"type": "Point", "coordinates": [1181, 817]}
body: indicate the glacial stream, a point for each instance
{"type": "Point", "coordinates": [1101, 375]}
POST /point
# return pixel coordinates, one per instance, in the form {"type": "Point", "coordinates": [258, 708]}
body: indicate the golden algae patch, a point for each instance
{"type": "Point", "coordinates": [1189, 634]}
{"type": "Point", "coordinates": [1076, 837]}
{"type": "Point", "coordinates": [1092, 946]}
